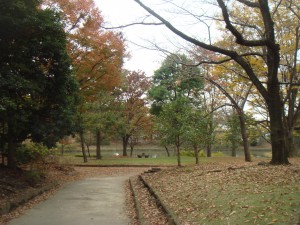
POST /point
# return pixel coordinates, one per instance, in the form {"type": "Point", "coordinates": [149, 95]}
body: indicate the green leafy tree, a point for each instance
{"type": "Point", "coordinates": [175, 78]}
{"type": "Point", "coordinates": [233, 133]}
{"type": "Point", "coordinates": [176, 84]}
{"type": "Point", "coordinates": [252, 37]}
{"type": "Point", "coordinates": [133, 111]}
{"type": "Point", "coordinates": [196, 132]}
{"type": "Point", "coordinates": [171, 123]}
{"type": "Point", "coordinates": [100, 118]}
{"type": "Point", "coordinates": [37, 90]}
{"type": "Point", "coordinates": [175, 89]}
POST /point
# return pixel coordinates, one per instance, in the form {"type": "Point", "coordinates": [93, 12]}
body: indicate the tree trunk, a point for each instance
{"type": "Point", "coordinates": [209, 142]}
{"type": "Point", "coordinates": [275, 107]}
{"type": "Point", "coordinates": [82, 146]}
{"type": "Point", "coordinates": [62, 149]}
{"type": "Point", "coordinates": [167, 150]}
{"type": "Point", "coordinates": [12, 150]}
{"type": "Point", "coordinates": [131, 150]}
{"type": "Point", "coordinates": [125, 144]}
{"type": "Point", "coordinates": [88, 149]}
{"type": "Point", "coordinates": [293, 113]}
{"type": "Point", "coordinates": [244, 136]}
{"type": "Point", "coordinates": [196, 152]}
{"type": "Point", "coordinates": [233, 149]}
{"type": "Point", "coordinates": [178, 151]}
{"type": "Point", "coordinates": [131, 147]}
{"type": "Point", "coordinates": [208, 149]}
{"type": "Point", "coordinates": [291, 149]}
{"type": "Point", "coordinates": [98, 144]}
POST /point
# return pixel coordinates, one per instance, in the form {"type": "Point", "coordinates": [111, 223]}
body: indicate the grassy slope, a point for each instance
{"type": "Point", "coordinates": [213, 194]}
{"type": "Point", "coordinates": [249, 195]}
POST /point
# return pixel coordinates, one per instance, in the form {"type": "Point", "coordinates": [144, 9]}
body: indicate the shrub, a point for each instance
{"type": "Point", "coordinates": [187, 153]}
{"type": "Point", "coordinates": [191, 153]}
{"type": "Point", "coordinates": [31, 152]}
{"type": "Point", "coordinates": [33, 177]}
{"type": "Point", "coordinates": [217, 154]}
{"type": "Point", "coordinates": [202, 153]}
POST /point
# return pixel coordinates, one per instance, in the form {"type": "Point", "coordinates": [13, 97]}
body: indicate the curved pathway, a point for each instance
{"type": "Point", "coordinates": [98, 200]}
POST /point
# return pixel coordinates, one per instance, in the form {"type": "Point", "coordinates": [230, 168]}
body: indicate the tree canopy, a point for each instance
{"type": "Point", "coordinates": [38, 92]}
{"type": "Point", "coordinates": [253, 38]}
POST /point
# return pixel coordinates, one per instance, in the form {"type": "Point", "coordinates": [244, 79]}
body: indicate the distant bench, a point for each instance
{"type": "Point", "coordinates": [143, 155]}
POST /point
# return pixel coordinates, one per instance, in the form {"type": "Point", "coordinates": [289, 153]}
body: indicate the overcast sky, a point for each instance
{"type": "Point", "coordinates": [121, 12]}
{"type": "Point", "coordinates": [181, 13]}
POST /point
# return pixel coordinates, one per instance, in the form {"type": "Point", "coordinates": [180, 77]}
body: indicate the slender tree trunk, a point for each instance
{"type": "Point", "coordinates": [83, 146]}
{"type": "Point", "coordinates": [293, 113]}
{"type": "Point", "coordinates": [125, 140]}
{"type": "Point", "coordinates": [291, 149]}
{"type": "Point", "coordinates": [98, 144]}
{"type": "Point", "coordinates": [196, 152]}
{"type": "Point", "coordinates": [167, 150]}
{"type": "Point", "coordinates": [244, 136]}
{"type": "Point", "coordinates": [208, 149]}
{"type": "Point", "coordinates": [233, 149]}
{"type": "Point", "coordinates": [209, 143]}
{"type": "Point", "coordinates": [131, 151]}
{"type": "Point", "coordinates": [88, 149]}
{"type": "Point", "coordinates": [178, 150]}
{"type": "Point", "coordinates": [62, 149]}
{"type": "Point", "coordinates": [131, 147]}
{"type": "Point", "coordinates": [12, 150]}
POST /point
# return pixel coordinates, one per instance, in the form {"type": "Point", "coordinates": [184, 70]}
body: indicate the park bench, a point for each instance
{"type": "Point", "coordinates": [143, 155]}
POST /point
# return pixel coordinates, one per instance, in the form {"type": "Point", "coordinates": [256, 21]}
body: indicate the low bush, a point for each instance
{"type": "Point", "coordinates": [191, 153]}
{"type": "Point", "coordinates": [34, 177]}
{"type": "Point", "coordinates": [31, 152]}
{"type": "Point", "coordinates": [217, 154]}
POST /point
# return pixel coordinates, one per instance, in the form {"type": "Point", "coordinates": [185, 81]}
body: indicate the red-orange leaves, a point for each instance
{"type": "Point", "coordinates": [97, 54]}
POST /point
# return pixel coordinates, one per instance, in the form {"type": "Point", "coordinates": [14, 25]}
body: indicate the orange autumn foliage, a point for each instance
{"type": "Point", "coordinates": [97, 54]}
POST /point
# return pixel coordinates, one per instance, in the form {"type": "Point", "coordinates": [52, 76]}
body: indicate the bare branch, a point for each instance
{"type": "Point", "coordinates": [132, 24]}
{"type": "Point", "coordinates": [250, 4]}
{"type": "Point", "coordinates": [232, 54]}
{"type": "Point", "coordinates": [239, 37]}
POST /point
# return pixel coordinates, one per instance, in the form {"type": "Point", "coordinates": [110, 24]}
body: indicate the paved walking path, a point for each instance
{"type": "Point", "coordinates": [92, 201]}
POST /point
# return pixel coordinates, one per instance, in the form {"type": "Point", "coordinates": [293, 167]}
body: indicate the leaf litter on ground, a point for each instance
{"type": "Point", "coordinates": [231, 192]}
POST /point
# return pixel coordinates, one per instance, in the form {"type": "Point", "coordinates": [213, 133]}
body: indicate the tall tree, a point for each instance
{"type": "Point", "coordinates": [175, 87]}
{"type": "Point", "coordinates": [262, 44]}
{"type": "Point", "coordinates": [100, 118]}
{"type": "Point", "coordinates": [172, 123]}
{"type": "Point", "coordinates": [133, 112]}
{"type": "Point", "coordinates": [175, 78]}
{"type": "Point", "coordinates": [97, 55]}
{"type": "Point", "coordinates": [233, 134]}
{"type": "Point", "coordinates": [196, 132]}
{"type": "Point", "coordinates": [37, 89]}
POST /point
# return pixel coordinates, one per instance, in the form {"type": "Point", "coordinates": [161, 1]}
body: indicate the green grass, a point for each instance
{"type": "Point", "coordinates": [108, 160]}
{"type": "Point", "coordinates": [250, 195]}
{"type": "Point", "coordinates": [242, 204]}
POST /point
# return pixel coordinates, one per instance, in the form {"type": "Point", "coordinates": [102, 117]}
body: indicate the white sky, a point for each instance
{"type": "Point", "coordinates": [121, 12]}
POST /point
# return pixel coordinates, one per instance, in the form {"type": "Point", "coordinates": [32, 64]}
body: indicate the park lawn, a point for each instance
{"type": "Point", "coordinates": [231, 193]}
{"type": "Point", "coordinates": [127, 161]}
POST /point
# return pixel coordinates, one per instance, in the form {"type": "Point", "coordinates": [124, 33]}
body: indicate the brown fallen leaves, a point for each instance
{"type": "Point", "coordinates": [231, 192]}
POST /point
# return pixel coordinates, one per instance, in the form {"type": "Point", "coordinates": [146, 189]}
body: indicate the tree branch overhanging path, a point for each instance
{"type": "Point", "coordinates": [267, 44]}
